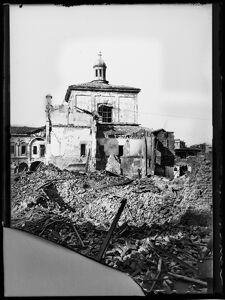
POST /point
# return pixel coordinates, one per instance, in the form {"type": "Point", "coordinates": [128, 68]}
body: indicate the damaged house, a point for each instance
{"type": "Point", "coordinates": [97, 127]}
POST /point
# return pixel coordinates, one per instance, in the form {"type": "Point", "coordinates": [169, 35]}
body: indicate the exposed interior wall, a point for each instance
{"type": "Point", "coordinates": [65, 148]}
{"type": "Point", "coordinates": [131, 166]}
{"type": "Point", "coordinates": [59, 115]}
{"type": "Point", "coordinates": [69, 115]}
{"type": "Point", "coordinates": [134, 160]}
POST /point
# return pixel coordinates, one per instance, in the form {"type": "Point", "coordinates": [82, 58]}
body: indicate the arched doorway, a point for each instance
{"type": "Point", "coordinates": [35, 165]}
{"type": "Point", "coordinates": [22, 167]}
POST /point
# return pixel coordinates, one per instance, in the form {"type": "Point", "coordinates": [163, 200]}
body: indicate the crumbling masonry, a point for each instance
{"type": "Point", "coordinates": [97, 125]}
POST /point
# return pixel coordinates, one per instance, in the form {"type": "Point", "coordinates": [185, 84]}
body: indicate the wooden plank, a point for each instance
{"type": "Point", "coordinates": [109, 234]}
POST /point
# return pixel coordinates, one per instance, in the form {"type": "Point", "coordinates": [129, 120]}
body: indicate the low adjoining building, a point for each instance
{"type": "Point", "coordinates": [27, 146]}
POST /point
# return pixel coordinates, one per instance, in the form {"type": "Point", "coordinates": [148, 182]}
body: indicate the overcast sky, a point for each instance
{"type": "Point", "coordinates": [166, 50]}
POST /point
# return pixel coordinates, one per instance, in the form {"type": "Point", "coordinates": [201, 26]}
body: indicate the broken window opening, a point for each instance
{"type": "Point", "coordinates": [34, 149]}
{"type": "Point", "coordinates": [23, 150]}
{"type": "Point", "coordinates": [96, 73]}
{"type": "Point", "coordinates": [120, 150]}
{"type": "Point", "coordinates": [42, 150]}
{"type": "Point", "coordinates": [106, 113]}
{"type": "Point", "coordinates": [100, 71]}
{"type": "Point", "coordinates": [83, 150]}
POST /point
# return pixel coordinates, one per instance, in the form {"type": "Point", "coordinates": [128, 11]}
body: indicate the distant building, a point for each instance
{"type": "Point", "coordinates": [179, 144]}
{"type": "Point", "coordinates": [205, 149]}
{"type": "Point", "coordinates": [27, 146]}
{"type": "Point", "coordinates": [185, 152]}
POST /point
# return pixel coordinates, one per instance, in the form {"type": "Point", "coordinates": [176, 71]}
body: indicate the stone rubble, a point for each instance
{"type": "Point", "coordinates": [175, 214]}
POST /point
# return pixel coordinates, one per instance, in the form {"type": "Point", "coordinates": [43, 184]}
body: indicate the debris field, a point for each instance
{"type": "Point", "coordinates": [160, 234]}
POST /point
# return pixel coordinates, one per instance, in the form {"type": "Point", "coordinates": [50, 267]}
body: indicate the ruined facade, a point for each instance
{"type": "Point", "coordinates": [98, 121]}
{"type": "Point", "coordinates": [96, 127]}
{"type": "Point", "coordinates": [164, 152]}
{"type": "Point", "coordinates": [27, 147]}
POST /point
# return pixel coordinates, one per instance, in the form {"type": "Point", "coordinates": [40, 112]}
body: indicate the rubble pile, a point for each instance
{"type": "Point", "coordinates": [151, 242]}
{"type": "Point", "coordinates": [197, 193]}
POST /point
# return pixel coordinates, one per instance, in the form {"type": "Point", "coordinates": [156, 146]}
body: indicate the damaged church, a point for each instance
{"type": "Point", "coordinates": [97, 127]}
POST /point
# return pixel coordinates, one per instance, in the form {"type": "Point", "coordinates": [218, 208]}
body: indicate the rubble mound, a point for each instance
{"type": "Point", "coordinates": [95, 197]}
{"type": "Point", "coordinates": [197, 193]}
{"type": "Point", "coordinates": [160, 231]}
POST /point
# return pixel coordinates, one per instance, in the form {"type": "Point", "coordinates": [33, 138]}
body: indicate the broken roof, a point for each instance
{"type": "Point", "coordinates": [160, 129]}
{"type": "Point", "coordinates": [99, 85]}
{"type": "Point", "coordinates": [122, 130]}
{"type": "Point", "coordinates": [25, 130]}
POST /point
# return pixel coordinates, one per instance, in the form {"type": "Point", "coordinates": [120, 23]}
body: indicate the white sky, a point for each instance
{"type": "Point", "coordinates": [166, 50]}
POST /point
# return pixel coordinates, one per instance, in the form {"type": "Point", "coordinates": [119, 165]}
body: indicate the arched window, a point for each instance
{"type": "Point", "coordinates": [23, 149]}
{"type": "Point", "coordinates": [106, 113]}
{"type": "Point", "coordinates": [34, 149]}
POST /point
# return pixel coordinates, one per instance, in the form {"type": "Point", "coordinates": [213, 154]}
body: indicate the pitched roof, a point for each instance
{"type": "Point", "coordinates": [100, 85]}
{"type": "Point", "coordinates": [25, 130]}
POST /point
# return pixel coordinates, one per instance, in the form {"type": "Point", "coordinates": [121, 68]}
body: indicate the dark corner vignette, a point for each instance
{"type": "Point", "coordinates": [217, 145]}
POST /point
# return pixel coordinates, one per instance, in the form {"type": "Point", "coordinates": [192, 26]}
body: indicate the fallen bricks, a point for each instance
{"type": "Point", "coordinates": [91, 201]}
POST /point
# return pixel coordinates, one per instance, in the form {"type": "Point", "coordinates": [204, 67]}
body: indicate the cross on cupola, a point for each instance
{"type": "Point", "coordinates": [100, 69]}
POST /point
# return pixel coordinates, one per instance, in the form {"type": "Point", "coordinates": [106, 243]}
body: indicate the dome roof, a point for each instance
{"type": "Point", "coordinates": [100, 62]}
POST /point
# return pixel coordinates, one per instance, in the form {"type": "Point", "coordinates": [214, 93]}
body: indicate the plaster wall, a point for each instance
{"type": "Point", "coordinates": [29, 141]}
{"type": "Point", "coordinates": [125, 108]}
{"type": "Point", "coordinates": [131, 166]}
{"type": "Point", "coordinates": [65, 115]}
{"type": "Point", "coordinates": [135, 147]}
{"type": "Point", "coordinates": [38, 144]}
{"type": "Point", "coordinates": [59, 115]}
{"type": "Point", "coordinates": [132, 147]}
{"type": "Point", "coordinates": [65, 148]}
{"type": "Point", "coordinates": [135, 161]}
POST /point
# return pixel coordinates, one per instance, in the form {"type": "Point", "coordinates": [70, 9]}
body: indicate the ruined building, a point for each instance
{"type": "Point", "coordinates": [98, 121]}
{"type": "Point", "coordinates": [96, 127]}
